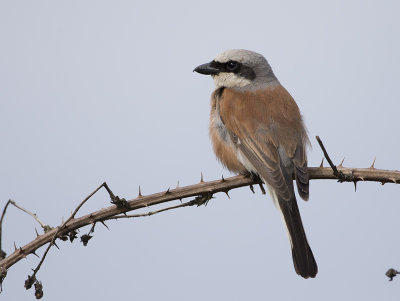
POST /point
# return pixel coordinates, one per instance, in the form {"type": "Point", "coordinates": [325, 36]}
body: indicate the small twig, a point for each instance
{"type": "Point", "coordinates": [84, 201]}
{"type": "Point", "coordinates": [2, 253]}
{"type": "Point", "coordinates": [3, 271]}
{"type": "Point", "coordinates": [44, 227]}
{"type": "Point", "coordinates": [338, 174]}
{"type": "Point", "coordinates": [335, 171]}
{"type": "Point", "coordinates": [186, 204]}
{"type": "Point", "coordinates": [150, 212]}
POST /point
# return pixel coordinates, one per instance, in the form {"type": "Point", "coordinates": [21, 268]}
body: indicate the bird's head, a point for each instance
{"type": "Point", "coordinates": [240, 69]}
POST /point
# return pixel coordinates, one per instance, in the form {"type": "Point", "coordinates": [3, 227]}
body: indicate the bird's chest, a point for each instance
{"type": "Point", "coordinates": [219, 127]}
{"type": "Point", "coordinates": [224, 142]}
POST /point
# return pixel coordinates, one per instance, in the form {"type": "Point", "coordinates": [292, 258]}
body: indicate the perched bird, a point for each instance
{"type": "Point", "coordinates": [256, 129]}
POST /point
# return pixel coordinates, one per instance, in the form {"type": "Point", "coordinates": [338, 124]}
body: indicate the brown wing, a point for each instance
{"type": "Point", "coordinates": [268, 125]}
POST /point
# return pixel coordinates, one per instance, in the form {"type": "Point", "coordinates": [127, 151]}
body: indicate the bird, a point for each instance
{"type": "Point", "coordinates": [256, 129]}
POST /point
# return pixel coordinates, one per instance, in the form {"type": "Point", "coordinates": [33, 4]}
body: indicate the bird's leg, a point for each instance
{"type": "Point", "coordinates": [256, 179]}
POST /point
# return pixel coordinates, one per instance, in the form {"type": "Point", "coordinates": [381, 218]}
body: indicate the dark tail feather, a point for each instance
{"type": "Point", "coordinates": [303, 258]}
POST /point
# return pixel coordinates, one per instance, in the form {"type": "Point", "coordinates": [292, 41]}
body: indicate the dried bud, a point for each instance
{"type": "Point", "coordinates": [64, 238]}
{"type": "Point", "coordinates": [38, 290]}
{"type": "Point", "coordinates": [47, 228]}
{"type": "Point", "coordinates": [72, 235]}
{"type": "Point", "coordinates": [391, 273]}
{"type": "Point", "coordinates": [29, 282]}
{"type": "Point", "coordinates": [119, 202]}
{"type": "Point", "coordinates": [85, 239]}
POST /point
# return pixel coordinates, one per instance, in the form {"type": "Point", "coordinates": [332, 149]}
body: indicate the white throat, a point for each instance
{"type": "Point", "coordinates": [230, 80]}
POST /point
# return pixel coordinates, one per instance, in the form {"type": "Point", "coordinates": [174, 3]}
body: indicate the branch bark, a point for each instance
{"type": "Point", "coordinates": [203, 192]}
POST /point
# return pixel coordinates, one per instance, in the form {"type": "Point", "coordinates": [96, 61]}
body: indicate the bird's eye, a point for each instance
{"type": "Point", "coordinates": [231, 66]}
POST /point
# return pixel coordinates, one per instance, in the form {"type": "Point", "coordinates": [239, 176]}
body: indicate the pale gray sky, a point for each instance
{"type": "Point", "coordinates": [95, 91]}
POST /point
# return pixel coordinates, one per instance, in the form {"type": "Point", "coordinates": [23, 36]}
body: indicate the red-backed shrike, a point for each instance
{"type": "Point", "coordinates": [256, 128]}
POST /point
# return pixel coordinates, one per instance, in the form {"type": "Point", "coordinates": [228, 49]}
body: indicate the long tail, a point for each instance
{"type": "Point", "coordinates": [303, 258]}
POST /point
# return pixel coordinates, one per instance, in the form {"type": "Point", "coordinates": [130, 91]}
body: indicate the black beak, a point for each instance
{"type": "Point", "coordinates": [206, 69]}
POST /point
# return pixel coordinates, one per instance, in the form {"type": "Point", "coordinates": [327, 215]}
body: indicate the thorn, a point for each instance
{"type": "Point", "coordinates": [251, 188]}
{"type": "Point", "coordinates": [34, 253]}
{"type": "Point", "coordinates": [383, 183]}
{"type": "Point", "coordinates": [15, 247]}
{"type": "Point", "coordinates": [322, 162]}
{"type": "Point", "coordinates": [341, 163]}
{"type": "Point", "coordinates": [177, 185]}
{"type": "Point", "coordinates": [355, 185]}
{"type": "Point", "coordinates": [140, 192]}
{"type": "Point", "coordinates": [104, 224]}
{"type": "Point", "coordinates": [373, 164]}
{"type": "Point", "coordinates": [393, 180]}
{"type": "Point", "coordinates": [222, 178]}
{"type": "Point", "coordinates": [227, 193]}
{"type": "Point", "coordinates": [125, 213]}
{"type": "Point", "coordinates": [37, 234]}
{"type": "Point", "coordinates": [22, 252]}
{"type": "Point", "coordinates": [54, 243]}
{"type": "Point", "coordinates": [167, 191]}
{"type": "Point", "coordinates": [362, 179]}
{"type": "Point", "coordinates": [201, 178]}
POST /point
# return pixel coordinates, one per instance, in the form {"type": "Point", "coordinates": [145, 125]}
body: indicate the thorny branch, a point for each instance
{"type": "Point", "coordinates": [355, 175]}
{"type": "Point", "coordinates": [202, 192]}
